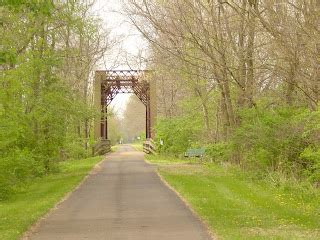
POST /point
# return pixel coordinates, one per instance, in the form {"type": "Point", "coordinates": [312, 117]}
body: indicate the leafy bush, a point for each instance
{"type": "Point", "coordinates": [178, 134]}
{"type": "Point", "coordinates": [312, 157]}
{"type": "Point", "coordinates": [219, 151]}
{"type": "Point", "coordinates": [282, 139]}
{"type": "Point", "coordinates": [17, 168]}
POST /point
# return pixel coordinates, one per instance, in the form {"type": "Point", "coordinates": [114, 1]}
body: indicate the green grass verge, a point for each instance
{"type": "Point", "coordinates": [114, 148]}
{"type": "Point", "coordinates": [23, 209]}
{"type": "Point", "coordinates": [237, 206]}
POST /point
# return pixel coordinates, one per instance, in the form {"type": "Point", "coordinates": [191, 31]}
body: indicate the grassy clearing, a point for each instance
{"type": "Point", "coordinates": [23, 209]}
{"type": "Point", "coordinates": [138, 146]}
{"type": "Point", "coordinates": [236, 206]}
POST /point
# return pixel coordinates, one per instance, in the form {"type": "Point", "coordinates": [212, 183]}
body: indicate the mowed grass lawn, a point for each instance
{"type": "Point", "coordinates": [235, 206]}
{"type": "Point", "coordinates": [23, 209]}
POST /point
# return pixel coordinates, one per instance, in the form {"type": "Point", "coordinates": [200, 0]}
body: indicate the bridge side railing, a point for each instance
{"type": "Point", "coordinates": [101, 147]}
{"type": "Point", "coordinates": [149, 146]}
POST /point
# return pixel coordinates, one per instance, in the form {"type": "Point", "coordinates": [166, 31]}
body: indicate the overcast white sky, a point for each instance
{"type": "Point", "coordinates": [131, 43]}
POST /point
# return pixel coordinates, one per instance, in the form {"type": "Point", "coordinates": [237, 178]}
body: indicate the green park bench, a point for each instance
{"type": "Point", "coordinates": [195, 152]}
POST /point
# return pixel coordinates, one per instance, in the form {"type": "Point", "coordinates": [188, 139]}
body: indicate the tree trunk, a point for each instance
{"type": "Point", "coordinates": [250, 86]}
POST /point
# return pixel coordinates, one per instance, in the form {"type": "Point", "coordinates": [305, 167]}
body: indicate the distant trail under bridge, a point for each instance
{"type": "Point", "coordinates": [124, 200]}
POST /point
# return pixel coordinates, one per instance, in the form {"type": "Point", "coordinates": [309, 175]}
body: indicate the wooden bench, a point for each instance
{"type": "Point", "coordinates": [195, 152]}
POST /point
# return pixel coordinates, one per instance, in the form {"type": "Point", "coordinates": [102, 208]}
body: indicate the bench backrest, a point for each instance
{"type": "Point", "coordinates": [195, 152]}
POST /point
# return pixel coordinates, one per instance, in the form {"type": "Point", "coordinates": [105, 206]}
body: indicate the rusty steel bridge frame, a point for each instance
{"type": "Point", "coordinates": [109, 83]}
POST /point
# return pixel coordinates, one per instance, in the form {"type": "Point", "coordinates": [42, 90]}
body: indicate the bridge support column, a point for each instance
{"type": "Point", "coordinates": [153, 106]}
{"type": "Point", "coordinates": [148, 125]}
{"type": "Point", "coordinates": [100, 124]}
{"type": "Point", "coordinates": [106, 122]}
{"type": "Point", "coordinates": [102, 145]}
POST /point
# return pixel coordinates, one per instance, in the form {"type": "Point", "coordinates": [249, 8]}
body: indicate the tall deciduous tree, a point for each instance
{"type": "Point", "coordinates": [49, 49]}
{"type": "Point", "coordinates": [244, 66]}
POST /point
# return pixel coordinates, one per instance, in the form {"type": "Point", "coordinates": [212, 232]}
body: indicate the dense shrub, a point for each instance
{"type": "Point", "coordinates": [311, 156]}
{"type": "Point", "coordinates": [16, 168]}
{"type": "Point", "coordinates": [218, 152]}
{"type": "Point", "coordinates": [282, 139]}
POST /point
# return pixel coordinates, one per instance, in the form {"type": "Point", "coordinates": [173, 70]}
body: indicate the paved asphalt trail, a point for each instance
{"type": "Point", "coordinates": [124, 200]}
